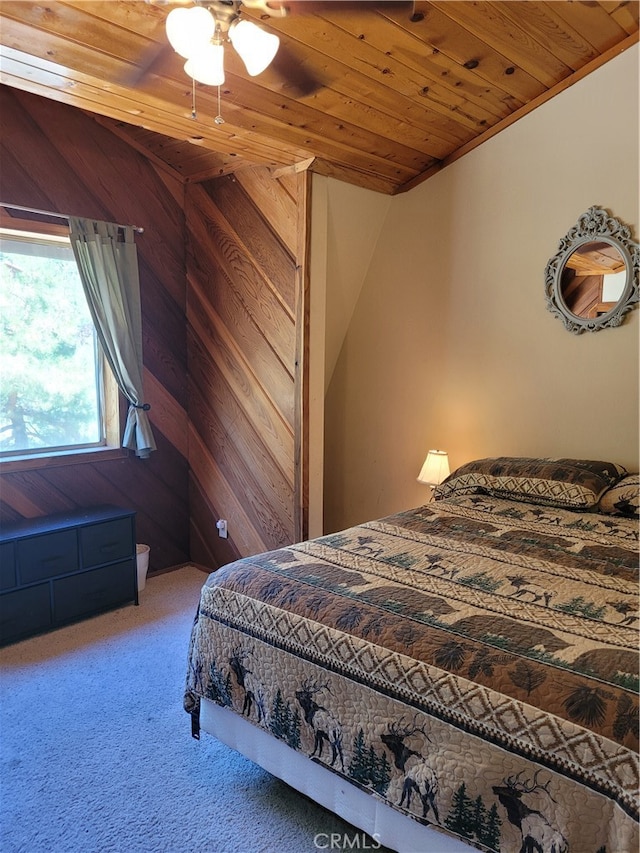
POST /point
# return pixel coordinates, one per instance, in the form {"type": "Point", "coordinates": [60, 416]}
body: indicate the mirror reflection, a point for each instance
{"type": "Point", "coordinates": [593, 279]}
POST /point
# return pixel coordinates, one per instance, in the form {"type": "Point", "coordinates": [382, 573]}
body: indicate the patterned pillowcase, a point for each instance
{"type": "Point", "coordinates": [568, 483]}
{"type": "Point", "coordinates": [623, 498]}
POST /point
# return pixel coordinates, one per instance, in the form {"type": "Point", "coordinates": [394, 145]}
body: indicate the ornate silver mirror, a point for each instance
{"type": "Point", "coordinates": [592, 280]}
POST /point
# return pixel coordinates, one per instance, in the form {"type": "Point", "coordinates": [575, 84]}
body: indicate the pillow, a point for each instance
{"type": "Point", "coordinates": [568, 483]}
{"type": "Point", "coordinates": [623, 498]}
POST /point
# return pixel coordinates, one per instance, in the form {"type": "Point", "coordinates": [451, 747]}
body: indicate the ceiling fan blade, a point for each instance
{"type": "Point", "coordinates": [297, 77]}
{"type": "Point", "coordinates": [150, 59]}
{"type": "Point", "coordinates": [298, 80]}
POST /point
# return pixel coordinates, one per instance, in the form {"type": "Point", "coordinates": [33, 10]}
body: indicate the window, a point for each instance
{"type": "Point", "coordinates": [56, 393]}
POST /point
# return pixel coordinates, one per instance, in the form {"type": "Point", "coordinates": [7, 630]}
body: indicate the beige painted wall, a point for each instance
{"type": "Point", "coordinates": [449, 343]}
{"type": "Point", "coordinates": [342, 248]}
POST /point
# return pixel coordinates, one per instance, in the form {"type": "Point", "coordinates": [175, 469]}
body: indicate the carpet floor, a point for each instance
{"type": "Point", "coordinates": [97, 756]}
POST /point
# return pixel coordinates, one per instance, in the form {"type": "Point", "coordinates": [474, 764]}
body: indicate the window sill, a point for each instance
{"type": "Point", "coordinates": [70, 457]}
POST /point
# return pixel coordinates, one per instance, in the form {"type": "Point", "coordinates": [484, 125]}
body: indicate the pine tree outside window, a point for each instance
{"type": "Point", "coordinates": [57, 396]}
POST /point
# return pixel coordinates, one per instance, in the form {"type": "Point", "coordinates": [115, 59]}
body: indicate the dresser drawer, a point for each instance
{"type": "Point", "coordinates": [90, 592]}
{"type": "Point", "coordinates": [66, 566]}
{"type": "Point", "coordinates": [24, 612]}
{"type": "Point", "coordinates": [47, 556]}
{"type": "Point", "coordinates": [106, 542]}
{"type": "Point", "coordinates": [8, 565]}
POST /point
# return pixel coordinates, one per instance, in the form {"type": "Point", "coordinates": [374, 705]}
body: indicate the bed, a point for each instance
{"type": "Point", "coordinates": [460, 675]}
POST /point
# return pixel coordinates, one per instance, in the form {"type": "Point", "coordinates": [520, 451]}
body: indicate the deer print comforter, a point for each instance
{"type": "Point", "coordinates": [472, 662]}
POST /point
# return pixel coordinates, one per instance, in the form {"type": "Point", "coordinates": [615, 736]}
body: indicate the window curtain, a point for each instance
{"type": "Point", "coordinates": [108, 265]}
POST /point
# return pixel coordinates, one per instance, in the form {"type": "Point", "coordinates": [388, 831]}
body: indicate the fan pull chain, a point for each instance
{"type": "Point", "coordinates": [218, 119]}
{"type": "Point", "coordinates": [194, 113]}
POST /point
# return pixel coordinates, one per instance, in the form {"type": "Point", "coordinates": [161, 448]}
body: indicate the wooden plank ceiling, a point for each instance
{"type": "Point", "coordinates": [380, 95]}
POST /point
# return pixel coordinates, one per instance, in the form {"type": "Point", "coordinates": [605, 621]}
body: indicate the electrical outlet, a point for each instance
{"type": "Point", "coordinates": [221, 524]}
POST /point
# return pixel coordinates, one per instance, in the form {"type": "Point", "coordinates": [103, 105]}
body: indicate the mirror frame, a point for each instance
{"type": "Point", "coordinates": [597, 224]}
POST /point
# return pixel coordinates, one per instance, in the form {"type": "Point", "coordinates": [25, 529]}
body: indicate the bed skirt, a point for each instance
{"type": "Point", "coordinates": [386, 826]}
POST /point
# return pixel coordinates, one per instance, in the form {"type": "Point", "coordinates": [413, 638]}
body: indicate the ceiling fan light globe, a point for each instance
{"type": "Point", "coordinates": [189, 30]}
{"type": "Point", "coordinates": [255, 46]}
{"type": "Point", "coordinates": [207, 66]}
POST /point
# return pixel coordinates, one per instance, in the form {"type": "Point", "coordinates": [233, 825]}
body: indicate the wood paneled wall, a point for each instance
{"type": "Point", "coordinates": [225, 328]}
{"type": "Point", "coordinates": [247, 332]}
{"type": "Point", "coordinates": [56, 158]}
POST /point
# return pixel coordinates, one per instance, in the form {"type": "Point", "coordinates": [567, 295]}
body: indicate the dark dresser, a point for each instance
{"type": "Point", "coordinates": [59, 568]}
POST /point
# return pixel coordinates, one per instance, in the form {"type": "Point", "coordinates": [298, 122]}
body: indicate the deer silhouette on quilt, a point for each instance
{"type": "Point", "coordinates": [249, 683]}
{"type": "Point", "coordinates": [326, 728]}
{"type": "Point", "coordinates": [419, 776]}
{"type": "Point", "coordinates": [538, 834]}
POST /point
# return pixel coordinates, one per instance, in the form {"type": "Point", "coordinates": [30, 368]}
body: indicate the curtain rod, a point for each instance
{"type": "Point", "coordinates": [66, 216]}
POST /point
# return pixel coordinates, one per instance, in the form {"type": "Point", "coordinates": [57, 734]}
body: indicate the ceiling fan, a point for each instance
{"type": "Point", "coordinates": [199, 29]}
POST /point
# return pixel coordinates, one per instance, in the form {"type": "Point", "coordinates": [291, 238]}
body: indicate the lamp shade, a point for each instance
{"type": "Point", "coordinates": [435, 468]}
{"type": "Point", "coordinates": [207, 65]}
{"type": "Point", "coordinates": [255, 46]}
{"type": "Point", "coordinates": [189, 30]}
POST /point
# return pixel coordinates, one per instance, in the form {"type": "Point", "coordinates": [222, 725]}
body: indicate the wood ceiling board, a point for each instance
{"type": "Point", "coordinates": [352, 99]}
{"type": "Point", "coordinates": [408, 56]}
{"type": "Point", "coordinates": [68, 37]}
{"type": "Point", "coordinates": [186, 158]}
{"type": "Point", "coordinates": [447, 37]}
{"type": "Point", "coordinates": [599, 28]}
{"type": "Point", "coordinates": [367, 180]}
{"type": "Point", "coordinates": [491, 22]}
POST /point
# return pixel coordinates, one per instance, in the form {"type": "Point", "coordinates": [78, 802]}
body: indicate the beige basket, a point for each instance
{"type": "Point", "coordinates": [142, 558]}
